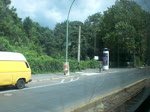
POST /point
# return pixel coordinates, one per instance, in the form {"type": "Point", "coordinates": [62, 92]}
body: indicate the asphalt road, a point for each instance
{"type": "Point", "coordinates": [57, 95]}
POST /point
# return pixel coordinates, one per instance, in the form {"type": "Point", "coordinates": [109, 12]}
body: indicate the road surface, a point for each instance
{"type": "Point", "coordinates": [58, 95]}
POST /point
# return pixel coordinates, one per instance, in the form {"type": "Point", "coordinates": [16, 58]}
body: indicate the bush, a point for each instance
{"type": "Point", "coordinates": [46, 64]}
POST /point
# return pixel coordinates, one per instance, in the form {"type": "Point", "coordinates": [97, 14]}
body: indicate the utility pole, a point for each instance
{"type": "Point", "coordinates": [79, 42]}
{"type": "Point", "coordinates": [118, 59]}
{"type": "Point", "coordinates": [95, 53]}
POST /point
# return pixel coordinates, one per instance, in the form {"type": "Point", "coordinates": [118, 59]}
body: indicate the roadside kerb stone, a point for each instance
{"type": "Point", "coordinates": [42, 79]}
{"type": "Point", "coordinates": [83, 73]}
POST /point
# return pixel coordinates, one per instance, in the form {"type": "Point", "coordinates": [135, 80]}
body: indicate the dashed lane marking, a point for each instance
{"type": "Point", "coordinates": [62, 81]}
{"type": "Point", "coordinates": [71, 80]}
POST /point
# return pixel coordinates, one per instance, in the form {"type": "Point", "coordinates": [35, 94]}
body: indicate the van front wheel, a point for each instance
{"type": "Point", "coordinates": [20, 84]}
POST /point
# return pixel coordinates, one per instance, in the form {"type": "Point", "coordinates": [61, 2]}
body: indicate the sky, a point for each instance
{"type": "Point", "coordinates": [50, 12]}
{"type": "Point", "coordinates": [145, 4]}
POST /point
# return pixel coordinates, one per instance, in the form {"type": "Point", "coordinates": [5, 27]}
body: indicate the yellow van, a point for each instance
{"type": "Point", "coordinates": [14, 70]}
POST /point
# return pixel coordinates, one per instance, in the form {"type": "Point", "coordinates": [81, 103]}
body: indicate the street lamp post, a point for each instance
{"type": "Point", "coordinates": [66, 64]}
{"type": "Point", "coordinates": [67, 32]}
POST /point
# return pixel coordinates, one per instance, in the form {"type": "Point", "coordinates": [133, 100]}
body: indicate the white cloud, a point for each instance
{"type": "Point", "coordinates": [53, 14]}
{"type": "Point", "coordinates": [49, 12]}
{"type": "Point", "coordinates": [85, 8]}
{"type": "Point", "coordinates": [28, 7]}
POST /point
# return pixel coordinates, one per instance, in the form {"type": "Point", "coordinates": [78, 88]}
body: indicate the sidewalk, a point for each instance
{"type": "Point", "coordinates": [87, 72]}
{"type": "Point", "coordinates": [47, 77]}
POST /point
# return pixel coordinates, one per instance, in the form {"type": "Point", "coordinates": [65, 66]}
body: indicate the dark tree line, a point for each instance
{"type": "Point", "coordinates": [123, 28]}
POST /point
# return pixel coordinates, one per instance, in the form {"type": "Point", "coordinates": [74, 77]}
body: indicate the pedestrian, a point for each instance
{"type": "Point", "coordinates": [100, 67]}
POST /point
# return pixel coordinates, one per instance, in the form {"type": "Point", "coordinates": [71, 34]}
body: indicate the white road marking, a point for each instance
{"type": "Point", "coordinates": [79, 72]}
{"type": "Point", "coordinates": [113, 72]}
{"type": "Point", "coordinates": [9, 91]}
{"type": "Point", "coordinates": [90, 74]}
{"type": "Point", "coordinates": [62, 81]}
{"type": "Point", "coordinates": [74, 79]}
{"type": "Point", "coordinates": [7, 94]}
{"type": "Point", "coordinates": [71, 80]}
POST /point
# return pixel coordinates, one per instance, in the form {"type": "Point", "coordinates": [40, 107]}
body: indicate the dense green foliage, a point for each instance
{"type": "Point", "coordinates": [126, 32]}
{"type": "Point", "coordinates": [123, 28]}
{"type": "Point", "coordinates": [45, 64]}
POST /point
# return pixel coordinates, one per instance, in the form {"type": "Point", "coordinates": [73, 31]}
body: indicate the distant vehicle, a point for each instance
{"type": "Point", "coordinates": [14, 70]}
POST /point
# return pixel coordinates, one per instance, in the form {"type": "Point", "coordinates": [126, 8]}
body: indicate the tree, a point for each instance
{"type": "Point", "coordinates": [92, 34]}
{"type": "Point", "coordinates": [5, 45]}
{"type": "Point", "coordinates": [124, 26]}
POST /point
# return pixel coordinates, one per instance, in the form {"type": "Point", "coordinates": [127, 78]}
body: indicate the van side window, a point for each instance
{"type": "Point", "coordinates": [27, 65]}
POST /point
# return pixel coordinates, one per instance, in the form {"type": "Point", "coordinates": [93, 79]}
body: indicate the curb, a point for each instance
{"type": "Point", "coordinates": [81, 74]}
{"type": "Point", "coordinates": [48, 79]}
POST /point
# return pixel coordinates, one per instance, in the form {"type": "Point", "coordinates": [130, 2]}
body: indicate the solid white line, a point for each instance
{"type": "Point", "coordinates": [38, 86]}
{"type": "Point", "coordinates": [8, 91]}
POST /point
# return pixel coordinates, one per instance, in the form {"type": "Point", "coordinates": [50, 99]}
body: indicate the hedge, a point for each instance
{"type": "Point", "coordinates": [45, 64]}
